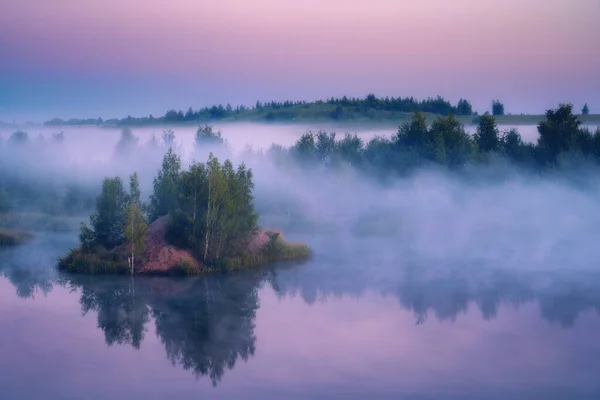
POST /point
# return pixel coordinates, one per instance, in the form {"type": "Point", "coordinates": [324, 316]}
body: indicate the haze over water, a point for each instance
{"type": "Point", "coordinates": [426, 288]}
{"type": "Point", "coordinates": [472, 276]}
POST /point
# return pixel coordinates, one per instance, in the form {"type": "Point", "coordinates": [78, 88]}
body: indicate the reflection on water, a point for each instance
{"type": "Point", "coordinates": [209, 325]}
{"type": "Point", "coordinates": [205, 324]}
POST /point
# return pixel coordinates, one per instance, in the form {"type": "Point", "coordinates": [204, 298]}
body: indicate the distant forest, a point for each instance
{"type": "Point", "coordinates": [335, 109]}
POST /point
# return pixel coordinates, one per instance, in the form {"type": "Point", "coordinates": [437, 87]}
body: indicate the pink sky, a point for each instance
{"type": "Point", "coordinates": [532, 54]}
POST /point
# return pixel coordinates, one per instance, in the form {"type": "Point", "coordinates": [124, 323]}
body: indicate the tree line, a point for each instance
{"type": "Point", "coordinates": [561, 142]}
{"type": "Point", "coordinates": [370, 106]}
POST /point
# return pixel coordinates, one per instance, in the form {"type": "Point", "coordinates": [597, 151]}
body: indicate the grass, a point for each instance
{"type": "Point", "coordinates": [98, 262]}
{"type": "Point", "coordinates": [103, 262]}
{"type": "Point", "coordinates": [10, 237]}
{"type": "Point", "coordinates": [276, 250]}
{"type": "Point", "coordinates": [39, 222]}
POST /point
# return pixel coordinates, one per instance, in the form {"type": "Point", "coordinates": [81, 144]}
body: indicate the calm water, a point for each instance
{"type": "Point", "coordinates": [339, 326]}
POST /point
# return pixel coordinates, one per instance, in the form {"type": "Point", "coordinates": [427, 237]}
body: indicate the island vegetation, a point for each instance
{"type": "Point", "coordinates": [201, 220]}
{"type": "Point", "coordinates": [11, 237]}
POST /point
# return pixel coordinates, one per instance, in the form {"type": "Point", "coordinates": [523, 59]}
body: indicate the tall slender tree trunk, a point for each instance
{"type": "Point", "coordinates": [207, 235]}
{"type": "Point", "coordinates": [133, 210]}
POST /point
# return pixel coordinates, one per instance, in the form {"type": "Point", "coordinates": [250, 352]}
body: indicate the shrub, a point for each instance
{"type": "Point", "coordinates": [100, 261]}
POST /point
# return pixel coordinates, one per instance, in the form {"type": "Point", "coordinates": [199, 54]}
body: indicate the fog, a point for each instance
{"type": "Point", "coordinates": [432, 216]}
{"type": "Point", "coordinates": [437, 243]}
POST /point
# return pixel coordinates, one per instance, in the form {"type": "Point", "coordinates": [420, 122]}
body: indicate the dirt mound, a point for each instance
{"type": "Point", "coordinates": [261, 239]}
{"type": "Point", "coordinates": [161, 256]}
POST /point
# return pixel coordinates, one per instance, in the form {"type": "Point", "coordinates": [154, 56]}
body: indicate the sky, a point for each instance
{"type": "Point", "coordinates": [113, 58]}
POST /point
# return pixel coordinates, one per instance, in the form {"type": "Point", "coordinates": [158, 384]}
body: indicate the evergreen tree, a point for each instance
{"type": "Point", "coordinates": [558, 133]}
{"type": "Point", "coordinates": [585, 110]}
{"type": "Point", "coordinates": [487, 135]}
{"type": "Point", "coordinates": [497, 108]}
{"type": "Point", "coordinates": [464, 107]}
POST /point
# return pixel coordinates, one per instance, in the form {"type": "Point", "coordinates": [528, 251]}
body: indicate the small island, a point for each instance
{"type": "Point", "coordinates": [201, 220]}
{"type": "Point", "coordinates": [13, 237]}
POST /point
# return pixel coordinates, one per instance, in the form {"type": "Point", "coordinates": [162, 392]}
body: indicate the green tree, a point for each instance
{"type": "Point", "coordinates": [127, 143]}
{"type": "Point", "coordinates": [134, 190]}
{"type": "Point", "coordinates": [135, 229]}
{"type": "Point", "coordinates": [87, 238]}
{"type": "Point", "coordinates": [464, 107]}
{"type": "Point", "coordinates": [168, 137]}
{"type": "Point", "coordinates": [164, 197]}
{"type": "Point", "coordinates": [325, 145]}
{"type": "Point", "coordinates": [107, 220]}
{"type": "Point", "coordinates": [558, 133]}
{"type": "Point", "coordinates": [585, 110]}
{"type": "Point", "coordinates": [497, 108]}
{"type": "Point", "coordinates": [414, 133]}
{"type": "Point", "coordinates": [305, 148]}
{"type": "Point", "coordinates": [206, 135]}
{"type": "Point", "coordinates": [449, 143]}
{"type": "Point", "coordinates": [215, 215]}
{"type": "Point", "coordinates": [18, 137]}
{"type": "Point", "coordinates": [487, 135]}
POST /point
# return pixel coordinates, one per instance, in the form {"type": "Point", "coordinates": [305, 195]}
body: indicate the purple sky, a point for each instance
{"type": "Point", "coordinates": [117, 57]}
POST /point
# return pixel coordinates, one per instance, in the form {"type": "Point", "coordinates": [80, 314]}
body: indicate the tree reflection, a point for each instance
{"type": "Point", "coordinates": [446, 292]}
{"type": "Point", "coordinates": [206, 324]}
{"type": "Point", "coordinates": [30, 268]}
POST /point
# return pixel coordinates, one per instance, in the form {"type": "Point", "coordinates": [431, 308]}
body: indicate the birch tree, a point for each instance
{"type": "Point", "coordinates": [135, 231]}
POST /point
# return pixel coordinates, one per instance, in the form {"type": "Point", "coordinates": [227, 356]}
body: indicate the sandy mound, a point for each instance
{"type": "Point", "coordinates": [161, 256]}
{"type": "Point", "coordinates": [261, 239]}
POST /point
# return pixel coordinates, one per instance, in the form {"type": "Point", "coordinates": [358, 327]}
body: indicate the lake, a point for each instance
{"type": "Point", "coordinates": [427, 287]}
{"type": "Point", "coordinates": [352, 323]}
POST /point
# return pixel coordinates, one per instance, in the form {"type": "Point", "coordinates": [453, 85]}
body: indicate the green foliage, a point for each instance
{"type": "Point", "coordinates": [451, 144]}
{"type": "Point", "coordinates": [135, 228]}
{"type": "Point", "coordinates": [205, 135]}
{"type": "Point", "coordinates": [276, 250]}
{"type": "Point", "coordinates": [184, 268]}
{"type": "Point", "coordinates": [87, 238]}
{"type": "Point", "coordinates": [369, 107]}
{"type": "Point", "coordinates": [134, 190]}
{"type": "Point", "coordinates": [215, 215]}
{"type": "Point", "coordinates": [107, 221]}
{"type": "Point", "coordinates": [98, 262]}
{"type": "Point", "coordinates": [487, 136]}
{"type": "Point", "coordinates": [585, 110]}
{"type": "Point", "coordinates": [497, 108]}
{"type": "Point", "coordinates": [166, 187]}
{"type": "Point", "coordinates": [558, 133]}
{"type": "Point", "coordinates": [464, 107]}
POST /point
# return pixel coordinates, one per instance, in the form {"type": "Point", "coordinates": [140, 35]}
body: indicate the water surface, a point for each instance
{"type": "Point", "coordinates": [334, 327]}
